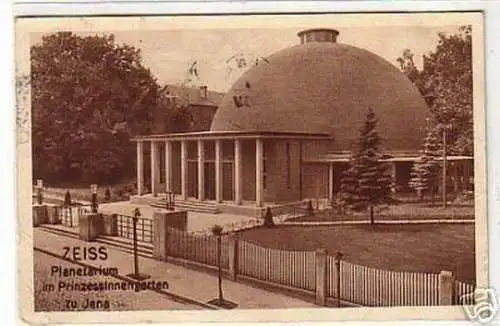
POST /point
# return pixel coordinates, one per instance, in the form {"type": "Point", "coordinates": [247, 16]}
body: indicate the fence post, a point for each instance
{"type": "Point", "coordinates": [39, 214]}
{"type": "Point", "coordinates": [321, 275]}
{"type": "Point", "coordinates": [233, 255]}
{"type": "Point", "coordinates": [89, 226]}
{"type": "Point", "coordinates": [160, 234]}
{"type": "Point", "coordinates": [110, 226]}
{"type": "Point", "coordinates": [446, 287]}
{"type": "Point", "coordinates": [338, 258]}
{"type": "Point", "coordinates": [52, 216]}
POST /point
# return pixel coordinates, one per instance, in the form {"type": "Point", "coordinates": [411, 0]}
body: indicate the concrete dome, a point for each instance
{"type": "Point", "coordinates": [322, 86]}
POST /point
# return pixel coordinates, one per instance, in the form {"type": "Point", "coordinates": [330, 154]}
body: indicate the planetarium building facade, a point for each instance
{"type": "Point", "coordinates": [284, 131]}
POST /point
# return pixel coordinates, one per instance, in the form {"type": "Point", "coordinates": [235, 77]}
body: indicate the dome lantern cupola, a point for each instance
{"type": "Point", "coordinates": [318, 35]}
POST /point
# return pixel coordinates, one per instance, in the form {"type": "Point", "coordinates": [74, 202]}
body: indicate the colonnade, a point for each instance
{"type": "Point", "coordinates": [201, 157]}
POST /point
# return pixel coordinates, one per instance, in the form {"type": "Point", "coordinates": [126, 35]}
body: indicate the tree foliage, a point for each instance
{"type": "Point", "coordinates": [366, 184]}
{"type": "Point", "coordinates": [424, 176]}
{"type": "Point", "coordinates": [89, 96]}
{"type": "Point", "coordinates": [445, 81]}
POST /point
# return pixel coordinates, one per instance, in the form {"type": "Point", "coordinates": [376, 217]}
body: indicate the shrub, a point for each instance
{"type": "Point", "coordinates": [309, 208]}
{"type": "Point", "coordinates": [216, 230]}
{"type": "Point", "coordinates": [107, 194]}
{"type": "Point", "coordinates": [123, 192]}
{"type": "Point", "coordinates": [268, 218]}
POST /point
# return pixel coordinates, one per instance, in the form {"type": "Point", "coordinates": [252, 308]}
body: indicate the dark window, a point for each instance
{"type": "Point", "coordinates": [288, 165]}
{"type": "Point", "coordinates": [264, 164]}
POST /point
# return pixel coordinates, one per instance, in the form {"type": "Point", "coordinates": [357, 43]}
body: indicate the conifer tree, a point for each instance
{"type": "Point", "coordinates": [67, 198]}
{"type": "Point", "coordinates": [349, 187]}
{"type": "Point", "coordinates": [366, 184]}
{"type": "Point", "coordinates": [425, 172]}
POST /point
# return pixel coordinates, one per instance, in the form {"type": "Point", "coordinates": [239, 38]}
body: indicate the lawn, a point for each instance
{"type": "Point", "coordinates": [401, 211]}
{"type": "Point", "coordinates": [118, 192]}
{"type": "Point", "coordinates": [417, 248]}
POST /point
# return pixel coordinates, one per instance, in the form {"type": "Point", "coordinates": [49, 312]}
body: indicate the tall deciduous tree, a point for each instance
{"type": "Point", "coordinates": [366, 184]}
{"type": "Point", "coordinates": [89, 96]}
{"type": "Point", "coordinates": [446, 83]}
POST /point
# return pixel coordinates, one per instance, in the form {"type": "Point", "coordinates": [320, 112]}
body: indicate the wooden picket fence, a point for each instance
{"type": "Point", "coordinates": [376, 287]}
{"type": "Point", "coordinates": [464, 293]}
{"type": "Point", "coordinates": [198, 248]}
{"type": "Point", "coordinates": [290, 268]}
{"type": "Point", "coordinates": [360, 285]}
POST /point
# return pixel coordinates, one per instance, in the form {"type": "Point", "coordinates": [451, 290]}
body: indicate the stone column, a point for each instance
{"type": "Point", "coordinates": [446, 286]}
{"type": "Point", "coordinates": [184, 169]}
{"type": "Point", "coordinates": [140, 168]}
{"type": "Point", "coordinates": [155, 168]}
{"type": "Point", "coordinates": [321, 275]}
{"type": "Point", "coordinates": [39, 214]}
{"type": "Point", "coordinates": [52, 215]}
{"type": "Point", "coordinates": [393, 176]}
{"type": "Point", "coordinates": [237, 171]}
{"type": "Point", "coordinates": [168, 166]}
{"type": "Point", "coordinates": [110, 224]}
{"type": "Point", "coordinates": [218, 170]}
{"type": "Point", "coordinates": [89, 225]}
{"type": "Point", "coordinates": [160, 234]}
{"type": "Point", "coordinates": [201, 170]}
{"type": "Point", "coordinates": [331, 180]}
{"type": "Point", "coordinates": [259, 175]}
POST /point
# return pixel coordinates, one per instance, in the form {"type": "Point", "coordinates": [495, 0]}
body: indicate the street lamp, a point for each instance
{"type": "Point", "coordinates": [220, 302]}
{"type": "Point", "coordinates": [217, 231]}
{"type": "Point", "coordinates": [169, 198]}
{"type": "Point", "coordinates": [136, 275]}
{"type": "Point", "coordinates": [94, 206]}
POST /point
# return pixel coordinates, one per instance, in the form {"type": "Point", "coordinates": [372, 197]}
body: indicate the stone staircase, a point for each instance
{"type": "Point", "coordinates": [190, 205]}
{"type": "Point", "coordinates": [144, 249]}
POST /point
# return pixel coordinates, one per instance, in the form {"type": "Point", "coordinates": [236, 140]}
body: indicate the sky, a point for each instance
{"type": "Point", "coordinates": [170, 53]}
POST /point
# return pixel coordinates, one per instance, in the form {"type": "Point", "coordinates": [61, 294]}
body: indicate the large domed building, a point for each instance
{"type": "Point", "coordinates": [321, 86]}
{"type": "Point", "coordinates": [284, 130]}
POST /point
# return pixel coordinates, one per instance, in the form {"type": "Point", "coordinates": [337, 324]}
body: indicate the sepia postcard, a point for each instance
{"type": "Point", "coordinates": [247, 168]}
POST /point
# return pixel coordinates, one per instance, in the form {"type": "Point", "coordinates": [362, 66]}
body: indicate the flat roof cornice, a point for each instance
{"type": "Point", "coordinates": [232, 135]}
{"type": "Point", "coordinates": [394, 158]}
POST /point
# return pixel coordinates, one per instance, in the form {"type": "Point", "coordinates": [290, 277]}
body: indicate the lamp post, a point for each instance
{"type": "Point", "coordinates": [135, 219]}
{"type": "Point", "coordinates": [217, 231]}
{"type": "Point", "coordinates": [219, 301]}
{"type": "Point", "coordinates": [169, 198]}
{"type": "Point", "coordinates": [136, 275]}
{"type": "Point", "coordinates": [94, 206]}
